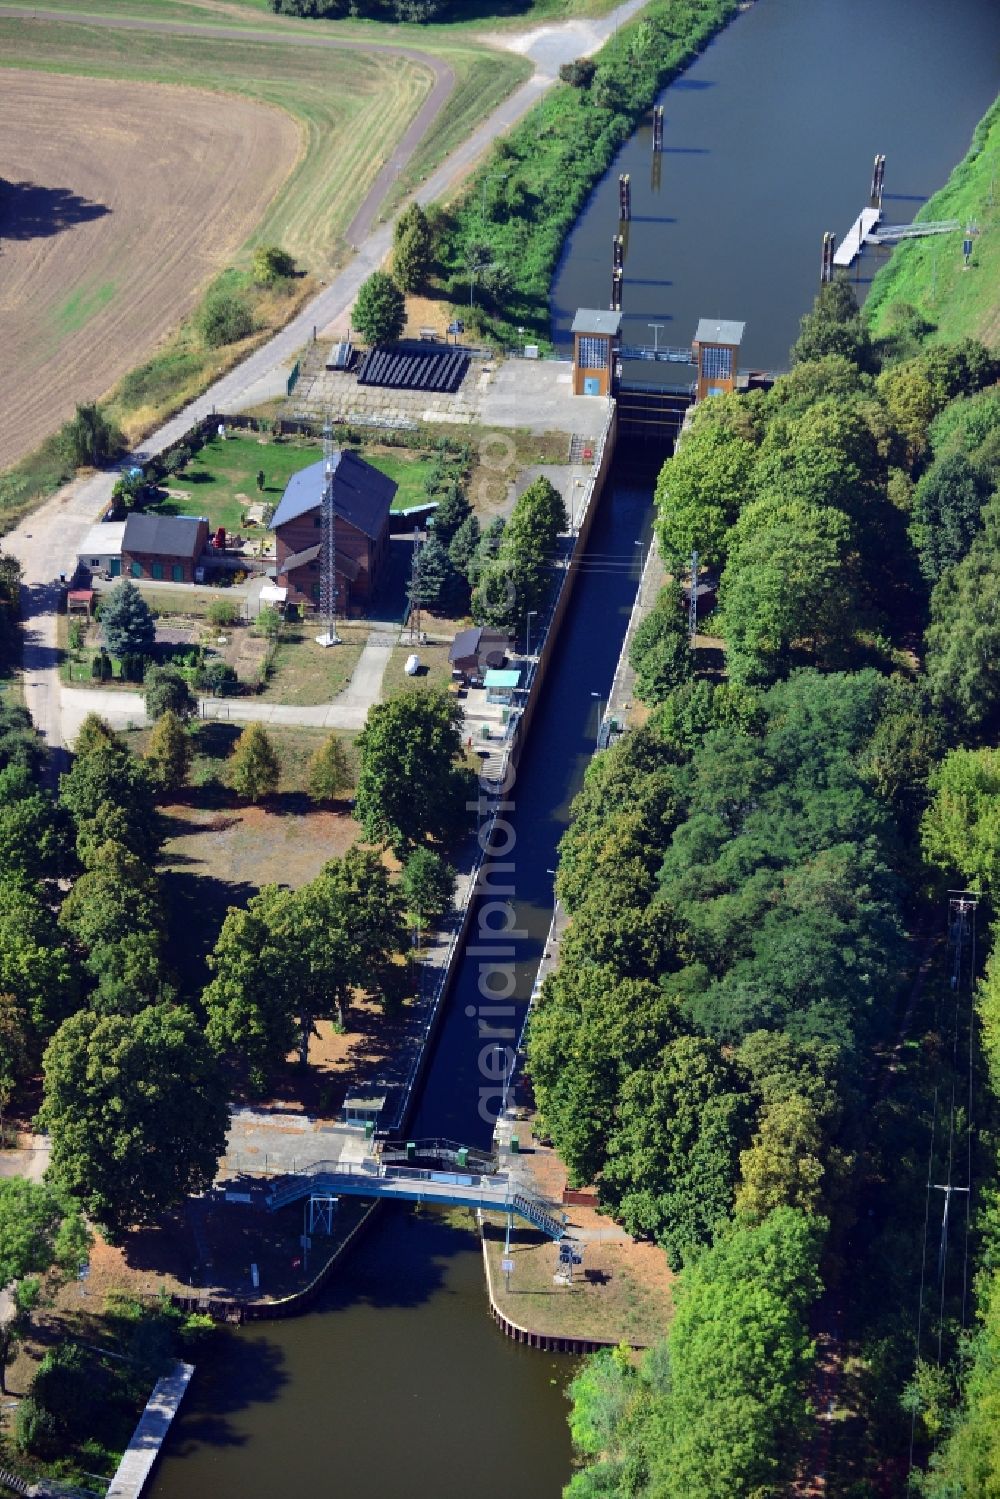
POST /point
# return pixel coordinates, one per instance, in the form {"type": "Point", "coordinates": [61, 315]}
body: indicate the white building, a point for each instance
{"type": "Point", "coordinates": [101, 548]}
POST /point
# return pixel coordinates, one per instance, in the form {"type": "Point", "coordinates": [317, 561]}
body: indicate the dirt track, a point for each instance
{"type": "Point", "coordinates": [126, 198]}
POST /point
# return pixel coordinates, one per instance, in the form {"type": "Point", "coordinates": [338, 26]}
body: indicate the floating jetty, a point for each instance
{"type": "Point", "coordinates": [148, 1437]}
{"type": "Point", "coordinates": [857, 236]}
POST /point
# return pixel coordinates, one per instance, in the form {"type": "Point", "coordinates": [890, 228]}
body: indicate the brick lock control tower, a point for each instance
{"type": "Point", "coordinates": [596, 337]}
{"type": "Point", "coordinates": [716, 348]}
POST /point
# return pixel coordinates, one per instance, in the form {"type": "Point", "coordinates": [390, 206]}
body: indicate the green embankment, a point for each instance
{"type": "Point", "coordinates": [520, 206]}
{"type": "Point", "coordinates": [930, 274]}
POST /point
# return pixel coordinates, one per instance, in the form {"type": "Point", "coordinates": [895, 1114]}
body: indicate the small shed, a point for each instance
{"type": "Point", "coordinates": [361, 1111]}
{"type": "Point", "coordinates": [273, 597]}
{"type": "Point", "coordinates": [596, 336]}
{"type": "Point", "coordinates": [501, 685]}
{"type": "Point", "coordinates": [80, 601]}
{"type": "Point", "coordinates": [476, 651]}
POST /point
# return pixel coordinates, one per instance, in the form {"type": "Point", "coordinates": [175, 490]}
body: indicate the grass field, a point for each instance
{"type": "Point", "coordinates": [350, 108]}
{"type": "Point", "coordinates": [222, 471]}
{"type": "Point", "coordinates": [930, 274]}
{"type": "Point", "coordinates": [492, 15]}
{"type": "Point", "coordinates": [436, 669]}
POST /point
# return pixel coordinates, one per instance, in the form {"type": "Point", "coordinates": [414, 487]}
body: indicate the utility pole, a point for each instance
{"type": "Point", "coordinates": [693, 600]}
{"type": "Point", "coordinates": [328, 518]}
{"type": "Point", "coordinates": [415, 594]}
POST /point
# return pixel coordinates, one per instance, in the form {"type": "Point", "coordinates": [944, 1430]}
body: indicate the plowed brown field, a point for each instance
{"type": "Point", "coordinates": [125, 199]}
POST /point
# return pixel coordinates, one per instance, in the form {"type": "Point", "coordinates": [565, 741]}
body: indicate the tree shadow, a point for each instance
{"type": "Point", "coordinates": [235, 1371]}
{"type": "Point", "coordinates": [196, 906]}
{"type": "Point", "coordinates": [30, 211]}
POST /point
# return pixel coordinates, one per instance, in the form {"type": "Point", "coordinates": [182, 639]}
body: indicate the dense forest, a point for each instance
{"type": "Point", "coordinates": [759, 1041]}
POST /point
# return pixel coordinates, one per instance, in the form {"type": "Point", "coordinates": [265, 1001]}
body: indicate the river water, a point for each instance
{"type": "Point", "coordinates": [398, 1385]}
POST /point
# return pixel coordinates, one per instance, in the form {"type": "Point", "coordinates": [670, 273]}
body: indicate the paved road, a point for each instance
{"type": "Point", "coordinates": [127, 709]}
{"type": "Point", "coordinates": [47, 541]}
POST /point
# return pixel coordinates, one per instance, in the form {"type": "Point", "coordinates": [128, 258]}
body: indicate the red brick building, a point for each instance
{"type": "Point", "coordinates": [362, 498]}
{"type": "Point", "coordinates": [164, 547]}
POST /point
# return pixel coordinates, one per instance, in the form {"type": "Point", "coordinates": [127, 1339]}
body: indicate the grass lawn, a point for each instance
{"type": "Point", "coordinates": [620, 1294]}
{"type": "Point", "coordinates": [436, 672]}
{"type": "Point", "coordinates": [185, 602]}
{"type": "Point", "coordinates": [409, 470]}
{"type": "Point", "coordinates": [224, 469]}
{"type": "Point", "coordinates": [306, 674]}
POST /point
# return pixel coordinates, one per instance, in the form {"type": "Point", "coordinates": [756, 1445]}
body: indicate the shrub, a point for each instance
{"type": "Point", "coordinates": [225, 318]}
{"type": "Point", "coordinates": [223, 612]}
{"type": "Point", "coordinates": [268, 623]}
{"type": "Point", "coordinates": [380, 312]}
{"type": "Point", "coordinates": [36, 1430]}
{"type": "Point", "coordinates": [216, 677]}
{"type": "Point", "coordinates": [271, 264]}
{"type": "Point", "coordinates": [579, 73]}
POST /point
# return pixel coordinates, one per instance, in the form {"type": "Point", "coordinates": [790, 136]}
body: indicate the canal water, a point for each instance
{"type": "Point", "coordinates": [769, 141]}
{"type": "Point", "coordinates": [399, 1385]}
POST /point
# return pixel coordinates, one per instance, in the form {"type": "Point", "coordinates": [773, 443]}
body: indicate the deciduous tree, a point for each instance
{"type": "Point", "coordinates": [671, 1161]}
{"type": "Point", "coordinates": [107, 792]}
{"type": "Point", "coordinates": [834, 326]}
{"type": "Point", "coordinates": [136, 1110]}
{"type": "Point", "coordinates": [90, 439]}
{"type": "Point", "coordinates": [785, 593]}
{"type": "Point", "coordinates": [330, 773]}
{"type": "Point", "coordinates": [428, 886]}
{"type": "Point", "coordinates": [165, 689]}
{"type": "Point", "coordinates": [660, 653]}
{"type": "Point", "coordinates": [410, 788]}
{"type": "Point", "coordinates": [380, 310]}
{"type": "Point", "coordinates": [40, 1230]}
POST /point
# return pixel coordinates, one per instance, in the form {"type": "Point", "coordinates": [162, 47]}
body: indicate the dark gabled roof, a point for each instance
{"type": "Point", "coordinates": [300, 559]}
{"type": "Point", "coordinates": [476, 641]}
{"type": "Point", "coordinates": [346, 565]}
{"type": "Point", "coordinates": [163, 535]}
{"type": "Point", "coordinates": [362, 495]}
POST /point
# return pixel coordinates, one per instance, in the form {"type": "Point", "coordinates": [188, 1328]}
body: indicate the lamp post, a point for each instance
{"type": "Point", "coordinates": [600, 714]}
{"type": "Point", "coordinates": [656, 334]}
{"type": "Point", "coordinates": [574, 519]}
{"type": "Point", "coordinates": [492, 177]}
{"type": "Point", "coordinates": [531, 614]}
{"type": "Point", "coordinates": [642, 558]}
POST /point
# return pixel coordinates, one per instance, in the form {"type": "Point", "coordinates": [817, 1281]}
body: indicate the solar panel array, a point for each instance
{"type": "Point", "coordinates": [415, 367]}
